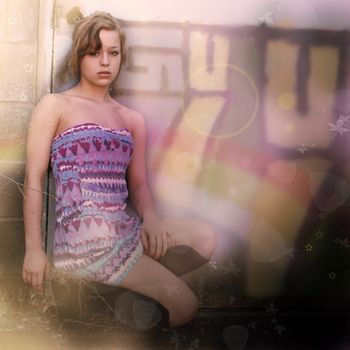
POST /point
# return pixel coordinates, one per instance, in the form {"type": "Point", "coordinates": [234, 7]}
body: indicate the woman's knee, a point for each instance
{"type": "Point", "coordinates": [208, 240]}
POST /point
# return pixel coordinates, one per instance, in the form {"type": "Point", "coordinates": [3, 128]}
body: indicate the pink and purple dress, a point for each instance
{"type": "Point", "coordinates": [94, 238]}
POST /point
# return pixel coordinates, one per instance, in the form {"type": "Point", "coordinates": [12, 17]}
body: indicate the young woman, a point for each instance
{"type": "Point", "coordinates": [96, 148]}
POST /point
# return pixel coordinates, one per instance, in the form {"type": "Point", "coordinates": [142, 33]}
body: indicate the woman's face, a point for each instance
{"type": "Point", "coordinates": [101, 67]}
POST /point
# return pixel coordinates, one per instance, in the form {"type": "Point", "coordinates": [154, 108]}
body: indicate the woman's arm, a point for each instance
{"type": "Point", "coordinates": [41, 130]}
{"type": "Point", "coordinates": [156, 237]}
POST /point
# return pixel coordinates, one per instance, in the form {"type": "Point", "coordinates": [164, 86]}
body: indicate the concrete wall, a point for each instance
{"type": "Point", "coordinates": [25, 41]}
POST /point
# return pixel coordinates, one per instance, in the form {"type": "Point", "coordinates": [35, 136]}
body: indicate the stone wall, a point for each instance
{"type": "Point", "coordinates": [25, 46]}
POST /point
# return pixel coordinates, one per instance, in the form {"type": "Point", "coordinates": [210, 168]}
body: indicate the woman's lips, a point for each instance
{"type": "Point", "coordinates": [104, 73]}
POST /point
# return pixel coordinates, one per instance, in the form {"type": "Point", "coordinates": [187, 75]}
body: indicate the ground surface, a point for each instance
{"type": "Point", "coordinates": [30, 321]}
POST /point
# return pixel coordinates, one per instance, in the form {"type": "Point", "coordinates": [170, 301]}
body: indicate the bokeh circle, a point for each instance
{"type": "Point", "coordinates": [236, 70]}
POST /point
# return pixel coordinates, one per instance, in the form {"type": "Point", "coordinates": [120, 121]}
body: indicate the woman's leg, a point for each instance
{"type": "Point", "coordinates": [150, 278]}
{"type": "Point", "coordinates": [195, 244]}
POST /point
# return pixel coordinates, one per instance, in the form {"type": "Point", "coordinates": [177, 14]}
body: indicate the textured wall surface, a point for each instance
{"type": "Point", "coordinates": [247, 129]}
{"type": "Point", "coordinates": [234, 138]}
{"type": "Point", "coordinates": [23, 80]}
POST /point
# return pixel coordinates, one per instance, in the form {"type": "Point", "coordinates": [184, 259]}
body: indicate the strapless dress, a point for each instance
{"type": "Point", "coordinates": [95, 238]}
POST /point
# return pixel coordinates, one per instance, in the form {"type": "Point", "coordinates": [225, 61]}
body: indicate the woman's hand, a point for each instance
{"type": "Point", "coordinates": [35, 268]}
{"type": "Point", "coordinates": [156, 237]}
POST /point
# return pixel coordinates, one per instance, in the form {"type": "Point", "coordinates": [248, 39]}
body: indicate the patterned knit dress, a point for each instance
{"type": "Point", "coordinates": [95, 238]}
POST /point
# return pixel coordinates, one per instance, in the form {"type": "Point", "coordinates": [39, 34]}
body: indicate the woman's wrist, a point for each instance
{"type": "Point", "coordinates": [149, 215]}
{"type": "Point", "coordinates": [34, 246]}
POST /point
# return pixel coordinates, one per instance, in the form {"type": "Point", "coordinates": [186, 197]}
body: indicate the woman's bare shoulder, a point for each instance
{"type": "Point", "coordinates": [133, 118]}
{"type": "Point", "coordinates": [47, 111]}
{"type": "Point", "coordinates": [51, 100]}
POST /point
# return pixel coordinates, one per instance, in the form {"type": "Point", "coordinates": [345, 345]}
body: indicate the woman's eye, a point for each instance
{"type": "Point", "coordinates": [115, 53]}
{"type": "Point", "coordinates": [93, 53]}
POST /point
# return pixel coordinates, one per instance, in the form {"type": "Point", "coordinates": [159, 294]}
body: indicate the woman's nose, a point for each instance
{"type": "Point", "coordinates": [104, 59]}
